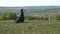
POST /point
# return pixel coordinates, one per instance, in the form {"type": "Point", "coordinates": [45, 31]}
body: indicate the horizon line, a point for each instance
{"type": "Point", "coordinates": [23, 6]}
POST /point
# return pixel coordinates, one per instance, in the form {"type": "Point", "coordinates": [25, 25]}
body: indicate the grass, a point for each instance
{"type": "Point", "coordinates": [30, 27]}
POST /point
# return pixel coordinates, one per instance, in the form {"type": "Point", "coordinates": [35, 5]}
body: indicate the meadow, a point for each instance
{"type": "Point", "coordinates": [30, 27]}
{"type": "Point", "coordinates": [37, 20]}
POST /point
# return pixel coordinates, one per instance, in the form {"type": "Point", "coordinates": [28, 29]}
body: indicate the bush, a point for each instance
{"type": "Point", "coordinates": [36, 18]}
{"type": "Point", "coordinates": [57, 17]}
{"type": "Point", "coordinates": [29, 17]}
{"type": "Point", "coordinates": [9, 15]}
{"type": "Point", "coordinates": [44, 18]}
{"type": "Point", "coordinates": [1, 18]}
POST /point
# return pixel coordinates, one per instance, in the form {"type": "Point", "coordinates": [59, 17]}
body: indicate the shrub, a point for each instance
{"type": "Point", "coordinates": [57, 17]}
{"type": "Point", "coordinates": [1, 18]}
{"type": "Point", "coordinates": [36, 18]}
{"type": "Point", "coordinates": [41, 18]}
{"type": "Point", "coordinates": [44, 18]}
{"type": "Point", "coordinates": [29, 17]}
{"type": "Point", "coordinates": [9, 15]}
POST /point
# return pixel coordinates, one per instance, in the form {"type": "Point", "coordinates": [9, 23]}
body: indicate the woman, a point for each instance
{"type": "Point", "coordinates": [21, 16]}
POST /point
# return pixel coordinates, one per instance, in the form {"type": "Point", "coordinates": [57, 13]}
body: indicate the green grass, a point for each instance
{"type": "Point", "coordinates": [30, 27]}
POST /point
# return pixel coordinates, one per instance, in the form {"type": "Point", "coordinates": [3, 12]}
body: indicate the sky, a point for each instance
{"type": "Point", "coordinates": [14, 3]}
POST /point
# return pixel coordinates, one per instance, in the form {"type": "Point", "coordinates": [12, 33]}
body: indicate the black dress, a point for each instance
{"type": "Point", "coordinates": [21, 17]}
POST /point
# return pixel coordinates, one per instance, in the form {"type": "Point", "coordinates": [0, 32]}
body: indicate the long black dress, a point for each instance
{"type": "Point", "coordinates": [21, 17]}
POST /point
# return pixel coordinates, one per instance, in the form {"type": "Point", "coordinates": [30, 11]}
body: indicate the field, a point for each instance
{"type": "Point", "coordinates": [30, 27]}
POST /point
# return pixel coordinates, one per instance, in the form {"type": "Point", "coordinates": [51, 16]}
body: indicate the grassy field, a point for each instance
{"type": "Point", "coordinates": [30, 27]}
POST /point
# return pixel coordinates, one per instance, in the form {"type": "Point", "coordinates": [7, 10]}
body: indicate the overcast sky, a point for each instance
{"type": "Point", "coordinates": [29, 3]}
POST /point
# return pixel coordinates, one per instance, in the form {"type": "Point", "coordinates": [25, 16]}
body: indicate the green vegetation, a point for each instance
{"type": "Point", "coordinates": [29, 18]}
{"type": "Point", "coordinates": [2, 18]}
{"type": "Point", "coordinates": [36, 18]}
{"type": "Point", "coordinates": [12, 15]}
{"type": "Point", "coordinates": [42, 20]}
{"type": "Point", "coordinates": [30, 27]}
{"type": "Point", "coordinates": [57, 17]}
{"type": "Point", "coordinates": [8, 16]}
